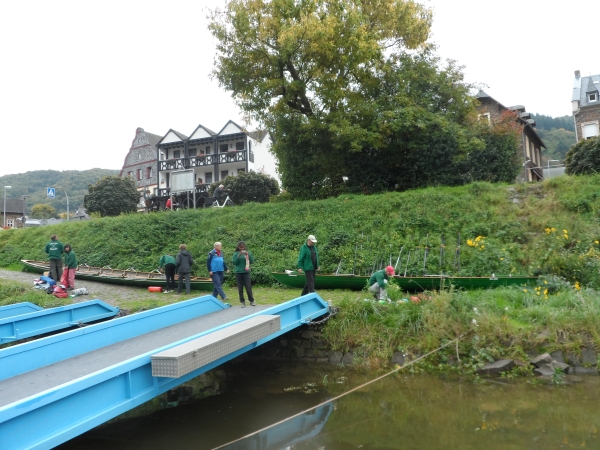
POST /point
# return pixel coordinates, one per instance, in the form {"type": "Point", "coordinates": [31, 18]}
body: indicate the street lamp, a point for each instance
{"type": "Point", "coordinates": [5, 188]}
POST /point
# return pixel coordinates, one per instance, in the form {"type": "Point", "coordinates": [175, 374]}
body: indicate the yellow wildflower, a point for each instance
{"type": "Point", "coordinates": [545, 281]}
{"type": "Point", "coordinates": [577, 286]}
{"type": "Point", "coordinates": [546, 292]}
{"type": "Point", "coordinates": [596, 242]}
{"type": "Point", "coordinates": [525, 290]}
{"type": "Point", "coordinates": [501, 259]}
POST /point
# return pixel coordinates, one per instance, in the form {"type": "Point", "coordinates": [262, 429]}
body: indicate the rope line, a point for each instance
{"type": "Point", "coordinates": [397, 369]}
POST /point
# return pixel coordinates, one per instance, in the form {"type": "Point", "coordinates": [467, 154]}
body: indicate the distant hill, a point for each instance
{"type": "Point", "coordinates": [558, 133]}
{"type": "Point", "coordinates": [543, 122]}
{"type": "Point", "coordinates": [34, 184]}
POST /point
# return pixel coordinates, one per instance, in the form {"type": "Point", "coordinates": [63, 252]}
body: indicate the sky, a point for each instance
{"type": "Point", "coordinates": [78, 78]}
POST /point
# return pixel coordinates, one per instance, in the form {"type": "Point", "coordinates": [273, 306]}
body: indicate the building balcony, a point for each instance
{"type": "Point", "coordinates": [198, 189]}
{"type": "Point", "coordinates": [201, 161]}
{"type": "Point", "coordinates": [232, 156]}
{"type": "Point", "coordinates": [173, 164]}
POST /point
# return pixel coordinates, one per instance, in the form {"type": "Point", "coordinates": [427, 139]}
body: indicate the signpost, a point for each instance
{"type": "Point", "coordinates": [51, 193]}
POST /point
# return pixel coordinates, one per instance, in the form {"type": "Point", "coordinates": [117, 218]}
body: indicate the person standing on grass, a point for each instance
{"type": "Point", "coordinates": [242, 259]}
{"type": "Point", "coordinates": [68, 277]}
{"type": "Point", "coordinates": [378, 282]}
{"type": "Point", "coordinates": [184, 264]}
{"type": "Point", "coordinates": [215, 263]}
{"type": "Point", "coordinates": [308, 261]}
{"type": "Point", "coordinates": [55, 251]}
{"type": "Point", "coordinates": [169, 263]}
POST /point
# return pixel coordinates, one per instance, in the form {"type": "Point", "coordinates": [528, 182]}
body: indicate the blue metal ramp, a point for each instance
{"type": "Point", "coordinates": [58, 387]}
{"type": "Point", "coordinates": [52, 319]}
{"type": "Point", "coordinates": [18, 308]}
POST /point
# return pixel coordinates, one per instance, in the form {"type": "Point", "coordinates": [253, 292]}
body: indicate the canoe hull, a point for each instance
{"type": "Point", "coordinates": [413, 284]}
{"type": "Point", "coordinates": [121, 277]}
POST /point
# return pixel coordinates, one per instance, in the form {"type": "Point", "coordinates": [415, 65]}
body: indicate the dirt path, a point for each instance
{"type": "Point", "coordinates": [125, 297]}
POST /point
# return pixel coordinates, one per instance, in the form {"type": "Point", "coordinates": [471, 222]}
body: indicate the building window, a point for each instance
{"type": "Point", "coordinates": [223, 148]}
{"type": "Point", "coordinates": [593, 97]}
{"type": "Point", "coordinates": [485, 117]}
{"type": "Point", "coordinates": [192, 152]}
{"type": "Point", "coordinates": [176, 154]}
{"type": "Point", "coordinates": [10, 223]}
{"type": "Point", "coordinates": [239, 146]}
{"type": "Point", "coordinates": [148, 172]}
{"type": "Point", "coordinates": [224, 174]}
{"type": "Point", "coordinates": [139, 174]}
{"type": "Point", "coordinates": [589, 130]}
{"type": "Point", "coordinates": [130, 174]}
{"type": "Point", "coordinates": [208, 149]}
{"type": "Point", "coordinates": [208, 177]}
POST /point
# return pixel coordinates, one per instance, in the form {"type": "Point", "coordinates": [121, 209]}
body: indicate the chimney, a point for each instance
{"type": "Point", "coordinates": [577, 73]}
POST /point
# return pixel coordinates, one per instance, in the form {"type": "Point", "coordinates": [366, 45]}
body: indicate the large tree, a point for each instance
{"type": "Point", "coordinates": [112, 196]}
{"type": "Point", "coordinates": [584, 157]}
{"type": "Point", "coordinates": [42, 211]}
{"type": "Point", "coordinates": [354, 95]}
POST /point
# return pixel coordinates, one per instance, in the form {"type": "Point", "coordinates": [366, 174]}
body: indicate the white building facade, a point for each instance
{"type": "Point", "coordinates": [213, 156]}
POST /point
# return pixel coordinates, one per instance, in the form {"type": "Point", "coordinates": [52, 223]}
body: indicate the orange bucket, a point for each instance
{"type": "Point", "coordinates": [154, 288]}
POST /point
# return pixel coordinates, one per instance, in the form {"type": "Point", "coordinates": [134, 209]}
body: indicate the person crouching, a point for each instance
{"type": "Point", "coordinates": [378, 282]}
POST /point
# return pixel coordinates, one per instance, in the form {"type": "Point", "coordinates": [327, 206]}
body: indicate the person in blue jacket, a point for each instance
{"type": "Point", "coordinates": [216, 265]}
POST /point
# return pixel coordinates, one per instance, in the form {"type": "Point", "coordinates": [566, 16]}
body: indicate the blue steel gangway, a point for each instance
{"type": "Point", "coordinates": [58, 387]}
{"type": "Point", "coordinates": [18, 308]}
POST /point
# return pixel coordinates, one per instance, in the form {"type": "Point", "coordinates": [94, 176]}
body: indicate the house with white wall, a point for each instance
{"type": "Point", "coordinates": [213, 155]}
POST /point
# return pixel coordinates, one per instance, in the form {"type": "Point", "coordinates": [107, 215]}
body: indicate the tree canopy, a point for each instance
{"type": "Point", "coordinates": [249, 187]}
{"type": "Point", "coordinates": [112, 196]}
{"type": "Point", "coordinates": [42, 211]}
{"type": "Point", "coordinates": [584, 158]}
{"type": "Point", "coordinates": [353, 94]}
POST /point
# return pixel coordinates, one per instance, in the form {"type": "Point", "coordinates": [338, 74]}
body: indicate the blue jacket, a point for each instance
{"type": "Point", "coordinates": [216, 263]}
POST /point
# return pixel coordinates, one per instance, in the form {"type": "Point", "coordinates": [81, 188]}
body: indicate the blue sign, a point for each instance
{"type": "Point", "coordinates": [50, 192]}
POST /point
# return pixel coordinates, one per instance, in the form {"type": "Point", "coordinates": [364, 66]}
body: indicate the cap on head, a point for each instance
{"type": "Point", "coordinates": [390, 270]}
{"type": "Point", "coordinates": [311, 238]}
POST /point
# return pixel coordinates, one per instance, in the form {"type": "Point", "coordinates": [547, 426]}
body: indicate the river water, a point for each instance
{"type": "Point", "coordinates": [401, 411]}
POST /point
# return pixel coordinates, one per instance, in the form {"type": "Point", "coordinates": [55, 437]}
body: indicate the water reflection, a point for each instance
{"type": "Point", "coordinates": [399, 412]}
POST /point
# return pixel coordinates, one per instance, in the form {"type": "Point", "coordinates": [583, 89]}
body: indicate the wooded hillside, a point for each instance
{"type": "Point", "coordinates": [34, 184]}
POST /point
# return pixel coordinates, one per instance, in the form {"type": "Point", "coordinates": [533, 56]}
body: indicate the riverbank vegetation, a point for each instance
{"type": "Point", "coordinates": [536, 229]}
{"type": "Point", "coordinates": [549, 229]}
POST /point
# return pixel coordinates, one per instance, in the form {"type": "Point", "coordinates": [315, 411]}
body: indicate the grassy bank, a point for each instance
{"type": "Point", "coordinates": [553, 229]}
{"type": "Point", "coordinates": [550, 229]}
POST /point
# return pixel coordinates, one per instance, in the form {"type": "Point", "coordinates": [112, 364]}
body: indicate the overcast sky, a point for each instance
{"type": "Point", "coordinates": [77, 77]}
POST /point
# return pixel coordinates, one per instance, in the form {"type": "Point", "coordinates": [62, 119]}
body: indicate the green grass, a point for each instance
{"type": "Point", "coordinates": [15, 292]}
{"type": "Point", "coordinates": [359, 230]}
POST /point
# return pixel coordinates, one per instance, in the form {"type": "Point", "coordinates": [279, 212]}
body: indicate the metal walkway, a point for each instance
{"type": "Point", "coordinates": [26, 325]}
{"type": "Point", "coordinates": [58, 387]}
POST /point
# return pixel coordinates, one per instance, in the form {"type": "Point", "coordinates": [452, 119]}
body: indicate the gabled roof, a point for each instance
{"type": "Point", "coordinates": [172, 136]}
{"type": "Point", "coordinates": [584, 86]}
{"type": "Point", "coordinates": [521, 116]}
{"type": "Point", "coordinates": [259, 135]}
{"type": "Point", "coordinates": [230, 124]}
{"type": "Point", "coordinates": [201, 131]}
{"type": "Point", "coordinates": [13, 205]}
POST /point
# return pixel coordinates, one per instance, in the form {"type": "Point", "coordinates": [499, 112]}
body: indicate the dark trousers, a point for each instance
{"type": "Point", "coordinates": [56, 269]}
{"type": "Point", "coordinates": [310, 282]}
{"type": "Point", "coordinates": [217, 278]}
{"type": "Point", "coordinates": [170, 275]}
{"type": "Point", "coordinates": [243, 281]}
{"type": "Point", "coordinates": [187, 282]}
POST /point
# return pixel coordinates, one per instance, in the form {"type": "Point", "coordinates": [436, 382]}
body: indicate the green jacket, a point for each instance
{"type": "Point", "coordinates": [70, 260]}
{"type": "Point", "coordinates": [239, 262]}
{"type": "Point", "coordinates": [304, 259]}
{"type": "Point", "coordinates": [164, 260]}
{"type": "Point", "coordinates": [55, 249]}
{"type": "Point", "coordinates": [380, 277]}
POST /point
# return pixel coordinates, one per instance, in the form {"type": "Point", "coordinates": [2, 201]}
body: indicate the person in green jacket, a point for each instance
{"type": "Point", "coordinates": [55, 251]}
{"type": "Point", "coordinates": [168, 262]}
{"type": "Point", "coordinates": [242, 258]}
{"type": "Point", "coordinates": [378, 282]}
{"type": "Point", "coordinates": [308, 261]}
{"type": "Point", "coordinates": [68, 277]}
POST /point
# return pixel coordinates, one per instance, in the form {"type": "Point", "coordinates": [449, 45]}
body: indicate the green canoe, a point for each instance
{"type": "Point", "coordinates": [427, 283]}
{"type": "Point", "coordinates": [119, 276]}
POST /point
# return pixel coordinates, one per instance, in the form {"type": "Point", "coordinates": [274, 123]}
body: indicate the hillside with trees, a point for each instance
{"type": "Point", "coordinates": [34, 184]}
{"type": "Point", "coordinates": [558, 133]}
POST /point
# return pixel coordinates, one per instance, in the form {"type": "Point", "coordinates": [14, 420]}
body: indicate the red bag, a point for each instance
{"type": "Point", "coordinates": [60, 292]}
